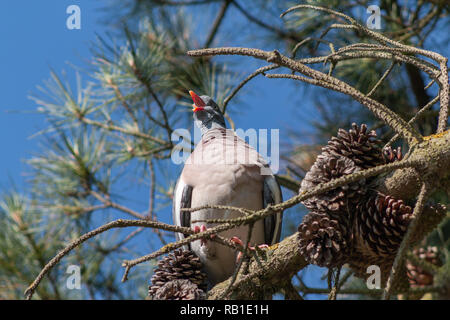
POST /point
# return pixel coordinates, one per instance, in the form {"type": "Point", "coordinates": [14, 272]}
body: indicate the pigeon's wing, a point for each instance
{"type": "Point", "coordinates": [272, 223]}
{"type": "Point", "coordinates": [181, 199]}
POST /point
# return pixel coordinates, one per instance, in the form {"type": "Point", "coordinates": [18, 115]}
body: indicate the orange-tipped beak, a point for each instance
{"type": "Point", "coordinates": [198, 102]}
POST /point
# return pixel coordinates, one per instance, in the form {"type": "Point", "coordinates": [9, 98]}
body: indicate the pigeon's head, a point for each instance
{"type": "Point", "coordinates": [207, 114]}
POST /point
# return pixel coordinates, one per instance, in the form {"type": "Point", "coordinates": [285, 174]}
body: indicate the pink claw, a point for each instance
{"type": "Point", "coordinates": [236, 240]}
{"type": "Point", "coordinates": [203, 228]}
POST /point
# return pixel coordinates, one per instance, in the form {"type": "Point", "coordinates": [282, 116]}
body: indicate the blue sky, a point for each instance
{"type": "Point", "coordinates": [34, 39]}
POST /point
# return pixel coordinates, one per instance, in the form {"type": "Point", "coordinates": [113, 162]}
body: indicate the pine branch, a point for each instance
{"type": "Point", "coordinates": [121, 223]}
{"type": "Point", "coordinates": [321, 79]}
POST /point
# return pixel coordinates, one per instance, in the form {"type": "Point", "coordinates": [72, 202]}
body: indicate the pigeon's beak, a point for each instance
{"type": "Point", "coordinates": [198, 102]}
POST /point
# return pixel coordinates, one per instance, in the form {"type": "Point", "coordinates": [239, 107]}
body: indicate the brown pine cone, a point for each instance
{"type": "Point", "coordinates": [379, 226]}
{"type": "Point", "coordinates": [324, 241]}
{"type": "Point", "coordinates": [418, 277]}
{"type": "Point", "coordinates": [180, 289]}
{"type": "Point", "coordinates": [358, 145]}
{"type": "Point", "coordinates": [326, 168]}
{"type": "Point", "coordinates": [178, 265]}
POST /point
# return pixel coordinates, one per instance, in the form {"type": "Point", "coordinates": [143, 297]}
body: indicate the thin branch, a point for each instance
{"type": "Point", "coordinates": [443, 79]}
{"type": "Point", "coordinates": [128, 264]}
{"type": "Point", "coordinates": [386, 73]}
{"type": "Point", "coordinates": [291, 293]}
{"type": "Point", "coordinates": [117, 206]}
{"type": "Point", "coordinates": [121, 223]}
{"type": "Point", "coordinates": [217, 22]}
{"type": "Point", "coordinates": [238, 268]}
{"type": "Point", "coordinates": [369, 292]}
{"type": "Point", "coordinates": [112, 127]}
{"type": "Point", "coordinates": [319, 78]}
{"type": "Point", "coordinates": [418, 209]}
{"type": "Point", "coordinates": [444, 94]}
{"type": "Point", "coordinates": [431, 70]}
{"type": "Point", "coordinates": [243, 82]}
{"type": "Point", "coordinates": [335, 288]}
{"type": "Point", "coordinates": [288, 182]}
{"type": "Point", "coordinates": [306, 40]}
{"type": "Point", "coordinates": [249, 216]}
{"type": "Point", "coordinates": [152, 190]}
{"type": "Point", "coordinates": [281, 33]}
{"type": "Point", "coordinates": [375, 35]}
{"type": "Point", "coordinates": [124, 102]}
{"type": "Point", "coordinates": [416, 117]}
{"type": "Point", "coordinates": [147, 84]}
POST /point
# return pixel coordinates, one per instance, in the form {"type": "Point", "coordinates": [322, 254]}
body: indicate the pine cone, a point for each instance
{"type": "Point", "coordinates": [179, 290]}
{"type": "Point", "coordinates": [326, 168]}
{"type": "Point", "coordinates": [178, 265]}
{"type": "Point", "coordinates": [418, 277]}
{"type": "Point", "coordinates": [324, 241]}
{"type": "Point", "coordinates": [358, 145]}
{"type": "Point", "coordinates": [379, 226]}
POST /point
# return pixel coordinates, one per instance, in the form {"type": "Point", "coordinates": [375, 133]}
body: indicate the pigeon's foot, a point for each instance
{"type": "Point", "coordinates": [240, 243]}
{"type": "Point", "coordinates": [203, 228]}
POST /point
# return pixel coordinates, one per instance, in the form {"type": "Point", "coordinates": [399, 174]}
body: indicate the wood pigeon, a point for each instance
{"type": "Point", "coordinates": [224, 170]}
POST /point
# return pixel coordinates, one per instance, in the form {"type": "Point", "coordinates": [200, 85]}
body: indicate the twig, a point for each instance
{"type": "Point", "coordinates": [152, 189]}
{"type": "Point", "coordinates": [444, 95]}
{"type": "Point", "coordinates": [243, 82]}
{"type": "Point", "coordinates": [321, 188]}
{"type": "Point", "coordinates": [386, 73]}
{"type": "Point", "coordinates": [125, 104]}
{"type": "Point", "coordinates": [418, 209]}
{"type": "Point", "coordinates": [151, 200]}
{"type": "Point", "coordinates": [128, 264]}
{"type": "Point", "coordinates": [432, 71]}
{"type": "Point", "coordinates": [121, 223]}
{"type": "Point", "coordinates": [117, 206]}
{"type": "Point", "coordinates": [238, 268]}
{"type": "Point", "coordinates": [290, 293]}
{"type": "Point", "coordinates": [375, 35]}
{"type": "Point", "coordinates": [443, 79]}
{"type": "Point", "coordinates": [112, 127]}
{"type": "Point", "coordinates": [369, 292]}
{"type": "Point", "coordinates": [335, 288]}
{"type": "Point", "coordinates": [319, 40]}
{"type": "Point", "coordinates": [416, 117]}
{"type": "Point", "coordinates": [288, 182]}
{"type": "Point", "coordinates": [281, 33]}
{"type": "Point", "coordinates": [217, 22]}
{"type": "Point", "coordinates": [319, 78]}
